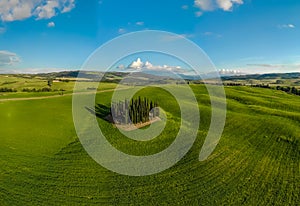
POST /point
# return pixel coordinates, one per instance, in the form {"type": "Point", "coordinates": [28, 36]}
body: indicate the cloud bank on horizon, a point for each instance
{"type": "Point", "coordinates": [138, 66]}
{"type": "Point", "coordinates": [8, 58]}
{"type": "Point", "coordinates": [12, 10]}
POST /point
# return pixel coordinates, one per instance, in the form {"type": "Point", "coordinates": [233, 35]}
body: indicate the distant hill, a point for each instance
{"type": "Point", "coordinates": [264, 76]}
{"type": "Point", "coordinates": [83, 74]}
{"type": "Point", "coordinates": [117, 76]}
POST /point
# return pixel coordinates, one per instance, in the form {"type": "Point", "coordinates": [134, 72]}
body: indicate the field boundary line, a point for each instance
{"type": "Point", "coordinates": [57, 95]}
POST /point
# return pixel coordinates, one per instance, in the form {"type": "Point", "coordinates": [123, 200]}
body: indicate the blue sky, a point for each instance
{"type": "Point", "coordinates": [253, 36]}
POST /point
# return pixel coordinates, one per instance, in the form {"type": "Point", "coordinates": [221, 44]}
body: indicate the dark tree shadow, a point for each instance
{"type": "Point", "coordinates": [101, 111]}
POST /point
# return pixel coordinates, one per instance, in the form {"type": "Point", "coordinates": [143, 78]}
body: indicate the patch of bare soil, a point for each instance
{"type": "Point", "coordinates": [131, 127]}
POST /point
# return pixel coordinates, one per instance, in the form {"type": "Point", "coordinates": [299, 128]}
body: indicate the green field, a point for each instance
{"type": "Point", "coordinates": [58, 88]}
{"type": "Point", "coordinates": [256, 162]}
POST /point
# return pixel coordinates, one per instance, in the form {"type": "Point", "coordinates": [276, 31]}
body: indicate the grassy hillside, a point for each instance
{"type": "Point", "coordinates": [272, 79]}
{"type": "Point", "coordinates": [20, 82]}
{"type": "Point", "coordinates": [255, 163]}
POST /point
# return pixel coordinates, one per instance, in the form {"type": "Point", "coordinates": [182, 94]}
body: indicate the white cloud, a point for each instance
{"type": "Point", "coordinates": [139, 65]}
{"type": "Point", "coordinates": [121, 31]}
{"type": "Point", "coordinates": [205, 5]}
{"type": "Point", "coordinates": [211, 5]}
{"type": "Point", "coordinates": [198, 13]}
{"type": "Point", "coordinates": [212, 34]}
{"type": "Point", "coordinates": [169, 38]}
{"type": "Point", "coordinates": [286, 26]}
{"type": "Point", "coordinates": [272, 68]}
{"type": "Point", "coordinates": [12, 10]}
{"type": "Point", "coordinates": [8, 58]}
{"type": "Point", "coordinates": [148, 65]}
{"type": "Point", "coordinates": [121, 66]}
{"type": "Point", "coordinates": [291, 26]}
{"type": "Point", "coordinates": [185, 7]}
{"type": "Point", "coordinates": [16, 9]}
{"type": "Point", "coordinates": [230, 72]}
{"type": "Point", "coordinates": [227, 5]}
{"type": "Point", "coordinates": [68, 5]}
{"type": "Point", "coordinates": [275, 65]}
{"type": "Point", "coordinates": [51, 24]}
{"type": "Point", "coordinates": [47, 10]}
{"type": "Point", "coordinates": [140, 23]}
{"type": "Point", "coordinates": [2, 30]}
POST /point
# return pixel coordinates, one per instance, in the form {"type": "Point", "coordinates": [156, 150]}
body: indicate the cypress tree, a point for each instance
{"type": "Point", "coordinates": [134, 111]}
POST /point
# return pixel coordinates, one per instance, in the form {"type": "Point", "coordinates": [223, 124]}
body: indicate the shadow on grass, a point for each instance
{"type": "Point", "coordinates": [101, 111]}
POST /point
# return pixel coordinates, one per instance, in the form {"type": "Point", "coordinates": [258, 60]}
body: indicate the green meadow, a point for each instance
{"type": "Point", "coordinates": [256, 161]}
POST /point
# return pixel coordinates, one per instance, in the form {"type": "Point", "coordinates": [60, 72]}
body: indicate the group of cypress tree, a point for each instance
{"type": "Point", "coordinates": [137, 110]}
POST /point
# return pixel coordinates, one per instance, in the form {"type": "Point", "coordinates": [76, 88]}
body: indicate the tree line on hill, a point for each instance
{"type": "Point", "coordinates": [45, 89]}
{"type": "Point", "coordinates": [5, 89]}
{"type": "Point", "coordinates": [136, 111]}
{"type": "Point", "coordinates": [291, 90]}
{"type": "Point", "coordinates": [287, 89]}
{"type": "Point", "coordinates": [266, 86]}
{"type": "Point", "coordinates": [233, 84]}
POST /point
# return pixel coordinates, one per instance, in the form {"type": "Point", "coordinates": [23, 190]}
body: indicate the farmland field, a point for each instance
{"type": "Point", "coordinates": [256, 162]}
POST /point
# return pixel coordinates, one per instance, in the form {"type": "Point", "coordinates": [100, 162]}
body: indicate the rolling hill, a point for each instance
{"type": "Point", "coordinates": [256, 162]}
